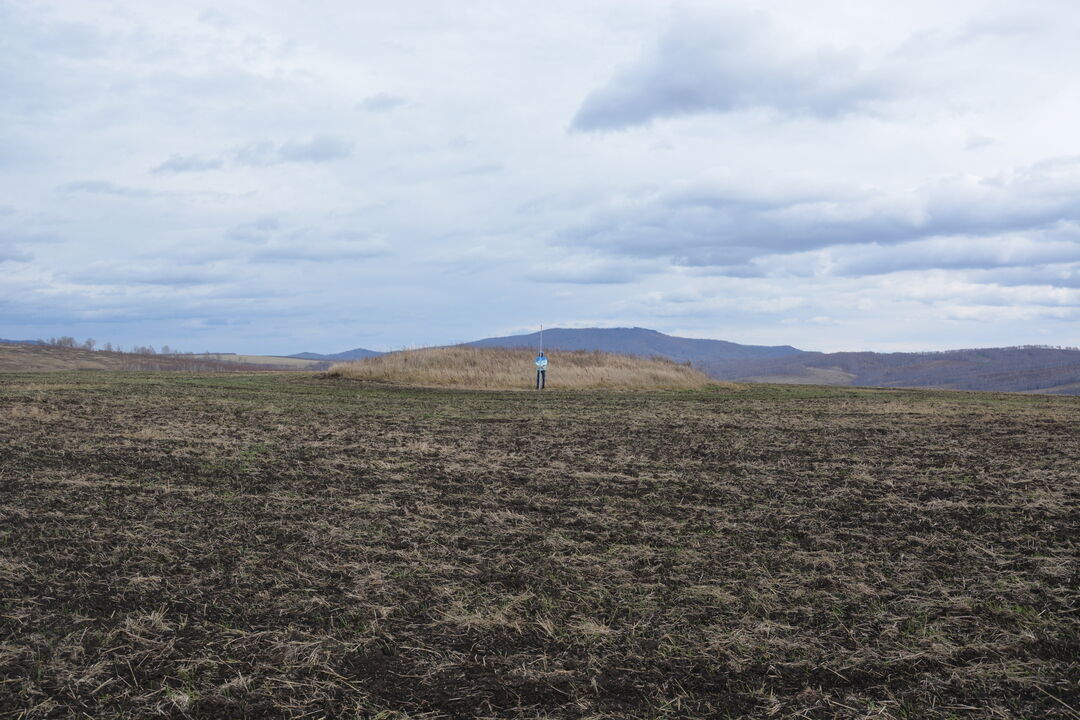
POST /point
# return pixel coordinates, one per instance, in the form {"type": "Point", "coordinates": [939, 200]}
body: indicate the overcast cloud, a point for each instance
{"type": "Point", "coordinates": [252, 177]}
{"type": "Point", "coordinates": [729, 59]}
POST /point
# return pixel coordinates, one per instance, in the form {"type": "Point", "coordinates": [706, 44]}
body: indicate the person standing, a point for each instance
{"type": "Point", "coordinates": [541, 371]}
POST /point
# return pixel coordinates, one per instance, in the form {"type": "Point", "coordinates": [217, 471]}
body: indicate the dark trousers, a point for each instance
{"type": "Point", "coordinates": [541, 379]}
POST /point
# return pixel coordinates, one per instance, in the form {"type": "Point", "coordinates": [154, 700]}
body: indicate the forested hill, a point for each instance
{"type": "Point", "coordinates": [639, 341]}
{"type": "Point", "coordinates": [1016, 369]}
{"type": "Point", "coordinates": [354, 354]}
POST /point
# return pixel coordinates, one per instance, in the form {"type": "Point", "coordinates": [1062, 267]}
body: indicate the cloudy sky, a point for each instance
{"type": "Point", "coordinates": [277, 176]}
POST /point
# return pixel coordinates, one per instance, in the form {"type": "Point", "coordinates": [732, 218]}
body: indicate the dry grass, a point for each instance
{"type": "Point", "coordinates": [18, 358]}
{"type": "Point", "coordinates": [284, 545]}
{"type": "Point", "coordinates": [503, 369]}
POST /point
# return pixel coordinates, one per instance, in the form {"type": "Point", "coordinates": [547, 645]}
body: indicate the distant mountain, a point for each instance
{"type": "Point", "coordinates": [1016, 369]}
{"type": "Point", "coordinates": [1013, 369]}
{"type": "Point", "coordinates": [640, 341]}
{"type": "Point", "coordinates": [355, 354]}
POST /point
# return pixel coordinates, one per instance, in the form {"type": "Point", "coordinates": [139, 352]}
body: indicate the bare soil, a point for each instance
{"type": "Point", "coordinates": [273, 545]}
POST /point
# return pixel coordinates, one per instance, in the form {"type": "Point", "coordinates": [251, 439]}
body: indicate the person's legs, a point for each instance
{"type": "Point", "coordinates": [543, 379]}
{"type": "Point", "coordinates": [537, 379]}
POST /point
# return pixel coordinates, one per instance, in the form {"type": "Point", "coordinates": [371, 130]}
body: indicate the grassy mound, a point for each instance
{"type": "Point", "coordinates": [506, 369]}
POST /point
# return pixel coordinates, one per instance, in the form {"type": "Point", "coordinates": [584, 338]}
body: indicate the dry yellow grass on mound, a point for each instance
{"type": "Point", "coordinates": [504, 369]}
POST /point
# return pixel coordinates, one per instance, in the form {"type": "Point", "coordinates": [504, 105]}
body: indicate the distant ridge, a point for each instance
{"type": "Point", "coordinates": [1013, 369]}
{"type": "Point", "coordinates": [640, 341]}
{"type": "Point", "coordinates": [354, 354]}
{"type": "Point", "coordinates": [1016, 369]}
{"type": "Point", "coordinates": [1031, 368]}
{"type": "Point", "coordinates": [625, 341]}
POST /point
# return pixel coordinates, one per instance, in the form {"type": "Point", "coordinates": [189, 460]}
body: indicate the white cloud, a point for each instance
{"type": "Point", "coordinates": [103, 187]}
{"type": "Point", "coordinates": [724, 60]}
{"type": "Point", "coordinates": [380, 103]}
{"type": "Point", "coordinates": [189, 163]}
{"type": "Point", "coordinates": [829, 175]}
{"type": "Point", "coordinates": [319, 149]}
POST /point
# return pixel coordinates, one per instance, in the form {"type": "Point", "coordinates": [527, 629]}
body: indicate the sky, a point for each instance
{"type": "Point", "coordinates": [277, 177]}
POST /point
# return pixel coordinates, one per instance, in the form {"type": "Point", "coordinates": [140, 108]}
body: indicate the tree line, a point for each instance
{"type": "Point", "coordinates": [66, 341]}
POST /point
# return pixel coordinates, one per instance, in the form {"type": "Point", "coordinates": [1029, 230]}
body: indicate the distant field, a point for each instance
{"type": "Point", "coordinates": [49, 358]}
{"type": "Point", "coordinates": [285, 363]}
{"type": "Point", "coordinates": [810, 376]}
{"type": "Point", "coordinates": [514, 369]}
{"type": "Point", "coordinates": [293, 545]}
{"type": "Point", "coordinates": [1054, 371]}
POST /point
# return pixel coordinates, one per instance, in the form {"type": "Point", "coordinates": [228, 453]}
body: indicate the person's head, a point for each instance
{"type": "Point", "coordinates": [541, 353]}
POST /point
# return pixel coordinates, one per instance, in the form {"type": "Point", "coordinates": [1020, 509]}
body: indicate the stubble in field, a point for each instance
{"type": "Point", "coordinates": [290, 546]}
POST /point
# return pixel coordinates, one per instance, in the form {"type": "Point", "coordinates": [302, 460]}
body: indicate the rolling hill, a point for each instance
{"type": "Point", "coordinates": [34, 357]}
{"type": "Point", "coordinates": [1016, 369]}
{"type": "Point", "coordinates": [640, 341]}
{"type": "Point", "coordinates": [354, 354]}
{"type": "Point", "coordinates": [509, 369]}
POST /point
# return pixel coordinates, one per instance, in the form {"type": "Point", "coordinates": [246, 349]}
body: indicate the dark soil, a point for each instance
{"type": "Point", "coordinates": [294, 546]}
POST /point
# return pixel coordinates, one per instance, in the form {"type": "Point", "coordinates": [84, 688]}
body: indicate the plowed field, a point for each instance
{"type": "Point", "coordinates": [297, 546]}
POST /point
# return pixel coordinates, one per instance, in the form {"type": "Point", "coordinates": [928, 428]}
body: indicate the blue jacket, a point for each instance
{"type": "Point", "coordinates": [541, 362]}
